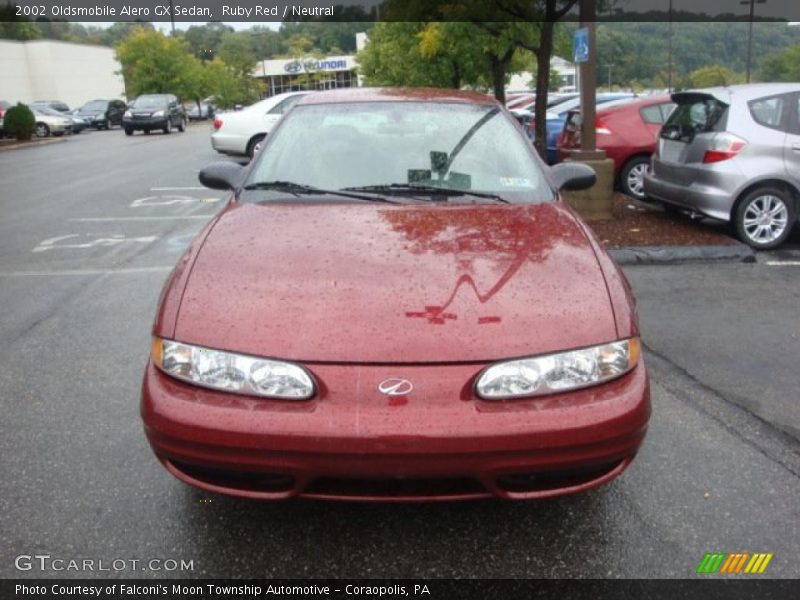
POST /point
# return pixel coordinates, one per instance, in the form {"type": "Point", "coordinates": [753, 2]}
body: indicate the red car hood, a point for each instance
{"type": "Point", "coordinates": [396, 284]}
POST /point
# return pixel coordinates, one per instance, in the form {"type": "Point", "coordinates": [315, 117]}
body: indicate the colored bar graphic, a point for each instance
{"type": "Point", "coordinates": [734, 562]}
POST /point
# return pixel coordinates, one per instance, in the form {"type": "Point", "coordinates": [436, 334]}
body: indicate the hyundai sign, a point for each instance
{"type": "Point", "coordinates": [299, 66]}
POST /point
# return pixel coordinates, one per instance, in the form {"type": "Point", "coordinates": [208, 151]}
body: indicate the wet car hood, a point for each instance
{"type": "Point", "coordinates": [373, 283]}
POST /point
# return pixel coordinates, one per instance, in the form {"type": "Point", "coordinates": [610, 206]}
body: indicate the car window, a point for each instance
{"type": "Point", "coordinates": [284, 105]}
{"type": "Point", "coordinates": [694, 114]}
{"type": "Point", "coordinates": [768, 111]}
{"type": "Point", "coordinates": [455, 146]}
{"type": "Point", "coordinates": [657, 113]}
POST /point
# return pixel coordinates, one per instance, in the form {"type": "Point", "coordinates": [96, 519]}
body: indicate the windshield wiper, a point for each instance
{"type": "Point", "coordinates": [414, 188]}
{"type": "Point", "coordinates": [298, 189]}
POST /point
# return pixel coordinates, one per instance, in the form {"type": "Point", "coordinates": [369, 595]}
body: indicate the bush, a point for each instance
{"type": "Point", "coordinates": [19, 122]}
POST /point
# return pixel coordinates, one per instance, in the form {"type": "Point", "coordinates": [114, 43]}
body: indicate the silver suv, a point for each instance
{"type": "Point", "coordinates": [733, 153]}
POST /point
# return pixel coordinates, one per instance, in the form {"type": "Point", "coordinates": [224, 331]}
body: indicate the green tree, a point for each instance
{"type": "Point", "coordinates": [153, 63]}
{"type": "Point", "coordinates": [713, 75]}
{"type": "Point", "coordinates": [782, 66]}
{"type": "Point", "coordinates": [204, 41]}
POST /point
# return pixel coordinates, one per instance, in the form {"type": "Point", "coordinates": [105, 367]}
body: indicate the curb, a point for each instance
{"type": "Point", "coordinates": [45, 142]}
{"type": "Point", "coordinates": [671, 255]}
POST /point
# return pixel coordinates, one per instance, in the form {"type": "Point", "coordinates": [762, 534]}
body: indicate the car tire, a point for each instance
{"type": "Point", "coordinates": [254, 145]}
{"type": "Point", "coordinates": [168, 127]}
{"type": "Point", "coordinates": [182, 125]}
{"type": "Point", "coordinates": [631, 178]}
{"type": "Point", "coordinates": [42, 130]}
{"type": "Point", "coordinates": [764, 218]}
{"type": "Point", "coordinates": [107, 125]}
{"type": "Point", "coordinates": [128, 131]}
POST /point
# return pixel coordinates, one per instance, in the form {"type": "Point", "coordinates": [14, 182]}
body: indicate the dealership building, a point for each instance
{"type": "Point", "coordinates": [50, 70]}
{"type": "Point", "coordinates": [293, 74]}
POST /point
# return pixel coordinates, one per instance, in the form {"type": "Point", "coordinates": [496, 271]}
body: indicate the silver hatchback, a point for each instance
{"type": "Point", "coordinates": [733, 153]}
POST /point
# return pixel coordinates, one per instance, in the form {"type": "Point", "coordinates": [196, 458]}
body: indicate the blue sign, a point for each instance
{"type": "Point", "coordinates": [580, 45]}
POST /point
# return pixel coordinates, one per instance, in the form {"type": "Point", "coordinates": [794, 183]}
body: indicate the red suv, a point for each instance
{"type": "Point", "coordinates": [628, 131]}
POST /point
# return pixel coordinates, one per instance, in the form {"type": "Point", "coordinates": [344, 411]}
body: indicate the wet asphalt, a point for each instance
{"type": "Point", "coordinates": [89, 229]}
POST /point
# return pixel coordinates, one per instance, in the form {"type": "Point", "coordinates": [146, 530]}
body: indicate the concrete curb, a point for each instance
{"type": "Point", "coordinates": [32, 144]}
{"type": "Point", "coordinates": [670, 255]}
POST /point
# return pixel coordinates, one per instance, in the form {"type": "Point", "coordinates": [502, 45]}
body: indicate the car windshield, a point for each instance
{"type": "Point", "coordinates": [95, 105]}
{"type": "Point", "coordinates": [398, 148]}
{"type": "Point", "coordinates": [149, 102]}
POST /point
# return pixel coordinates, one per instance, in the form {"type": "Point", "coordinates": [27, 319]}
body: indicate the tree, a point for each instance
{"type": "Point", "coordinates": [204, 41]}
{"type": "Point", "coordinates": [782, 66]}
{"type": "Point", "coordinates": [153, 63]}
{"type": "Point", "coordinates": [713, 75]}
{"type": "Point", "coordinates": [20, 122]}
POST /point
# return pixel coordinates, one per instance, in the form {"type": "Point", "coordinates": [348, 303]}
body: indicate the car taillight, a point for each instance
{"type": "Point", "coordinates": [601, 127]}
{"type": "Point", "coordinates": [217, 124]}
{"type": "Point", "coordinates": [723, 147]}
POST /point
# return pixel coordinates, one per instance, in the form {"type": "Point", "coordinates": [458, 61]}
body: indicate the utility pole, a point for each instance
{"type": "Point", "coordinates": [609, 67]}
{"type": "Point", "coordinates": [752, 4]}
{"type": "Point", "coordinates": [669, 68]}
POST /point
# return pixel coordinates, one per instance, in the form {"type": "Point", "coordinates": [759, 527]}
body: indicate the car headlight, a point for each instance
{"type": "Point", "coordinates": [158, 113]}
{"type": "Point", "coordinates": [232, 372]}
{"type": "Point", "coordinates": [553, 373]}
{"type": "Point", "coordinates": [127, 114]}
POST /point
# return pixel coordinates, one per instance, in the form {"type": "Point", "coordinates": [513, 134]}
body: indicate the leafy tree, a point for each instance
{"type": "Point", "coordinates": [204, 41]}
{"type": "Point", "coordinates": [153, 63]}
{"type": "Point", "coordinates": [713, 75]}
{"type": "Point", "coordinates": [782, 66]}
{"type": "Point", "coordinates": [19, 30]}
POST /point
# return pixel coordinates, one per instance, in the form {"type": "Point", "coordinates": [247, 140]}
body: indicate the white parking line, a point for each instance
{"type": "Point", "coordinates": [103, 219]}
{"type": "Point", "coordinates": [173, 189]}
{"type": "Point", "coordinates": [124, 271]}
{"type": "Point", "coordinates": [783, 263]}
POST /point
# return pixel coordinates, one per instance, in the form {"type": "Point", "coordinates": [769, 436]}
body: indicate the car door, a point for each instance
{"type": "Point", "coordinates": [115, 110]}
{"type": "Point", "coordinates": [791, 150]}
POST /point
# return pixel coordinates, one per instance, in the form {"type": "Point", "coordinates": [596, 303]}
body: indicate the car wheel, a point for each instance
{"type": "Point", "coordinates": [254, 145]}
{"type": "Point", "coordinates": [128, 131]}
{"type": "Point", "coordinates": [42, 130]}
{"type": "Point", "coordinates": [168, 127]}
{"type": "Point", "coordinates": [765, 217]}
{"type": "Point", "coordinates": [107, 125]}
{"type": "Point", "coordinates": [182, 125]}
{"type": "Point", "coordinates": [632, 177]}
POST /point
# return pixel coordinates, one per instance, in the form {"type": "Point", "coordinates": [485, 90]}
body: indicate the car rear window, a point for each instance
{"type": "Point", "coordinates": [695, 114]}
{"type": "Point", "coordinates": [657, 113]}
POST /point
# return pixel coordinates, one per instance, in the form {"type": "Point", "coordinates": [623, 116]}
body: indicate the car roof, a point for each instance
{"type": "Point", "coordinates": [345, 95]}
{"type": "Point", "coordinates": [635, 103]}
{"type": "Point", "coordinates": [744, 91]}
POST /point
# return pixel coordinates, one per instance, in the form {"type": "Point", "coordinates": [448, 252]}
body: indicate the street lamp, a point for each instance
{"type": "Point", "coordinates": [752, 4]}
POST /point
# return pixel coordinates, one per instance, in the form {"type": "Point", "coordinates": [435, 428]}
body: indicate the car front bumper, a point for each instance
{"type": "Point", "coordinates": [145, 123]}
{"type": "Point", "coordinates": [381, 448]}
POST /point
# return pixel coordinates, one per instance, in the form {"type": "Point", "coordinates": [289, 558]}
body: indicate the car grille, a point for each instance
{"type": "Point", "coordinates": [339, 487]}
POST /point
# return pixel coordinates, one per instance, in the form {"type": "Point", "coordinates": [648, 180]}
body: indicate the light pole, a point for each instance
{"type": "Point", "coordinates": [669, 68]}
{"type": "Point", "coordinates": [752, 4]}
{"type": "Point", "coordinates": [609, 67]}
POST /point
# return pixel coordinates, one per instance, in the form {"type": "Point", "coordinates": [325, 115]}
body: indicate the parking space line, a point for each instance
{"type": "Point", "coordinates": [173, 189]}
{"type": "Point", "coordinates": [105, 219]}
{"type": "Point", "coordinates": [122, 271]}
{"type": "Point", "coordinates": [783, 263]}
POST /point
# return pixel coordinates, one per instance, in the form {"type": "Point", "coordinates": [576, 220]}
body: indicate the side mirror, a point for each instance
{"type": "Point", "coordinates": [221, 175]}
{"type": "Point", "coordinates": [573, 176]}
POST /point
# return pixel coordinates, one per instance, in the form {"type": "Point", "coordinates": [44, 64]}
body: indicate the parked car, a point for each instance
{"type": "Point", "coordinates": [103, 114]}
{"type": "Point", "coordinates": [206, 111]}
{"type": "Point", "coordinates": [396, 304]}
{"type": "Point", "coordinates": [733, 154]}
{"type": "Point", "coordinates": [154, 111]}
{"type": "Point", "coordinates": [525, 118]}
{"type": "Point", "coordinates": [78, 123]}
{"type": "Point", "coordinates": [627, 130]}
{"type": "Point", "coordinates": [242, 132]}
{"type": "Point", "coordinates": [56, 105]}
{"type": "Point", "coordinates": [557, 117]}
{"type": "Point", "coordinates": [520, 100]}
{"type": "Point", "coordinates": [50, 122]}
{"type": "Point", "coordinates": [4, 106]}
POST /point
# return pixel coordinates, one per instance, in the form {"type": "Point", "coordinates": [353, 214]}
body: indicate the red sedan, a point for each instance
{"type": "Point", "coordinates": [628, 131]}
{"type": "Point", "coordinates": [396, 304]}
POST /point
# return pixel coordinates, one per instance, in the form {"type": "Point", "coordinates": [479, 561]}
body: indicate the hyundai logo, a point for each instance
{"type": "Point", "coordinates": [293, 67]}
{"type": "Point", "coordinates": [395, 387]}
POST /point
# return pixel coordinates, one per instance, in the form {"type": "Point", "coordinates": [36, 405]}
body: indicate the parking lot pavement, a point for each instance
{"type": "Point", "coordinates": [719, 470]}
